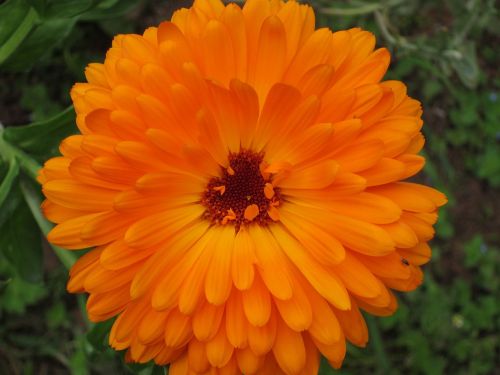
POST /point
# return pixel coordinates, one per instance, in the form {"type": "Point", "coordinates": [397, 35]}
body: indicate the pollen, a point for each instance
{"type": "Point", "coordinates": [269, 190]}
{"type": "Point", "coordinates": [251, 212]}
{"type": "Point", "coordinates": [242, 194]}
{"type": "Point", "coordinates": [220, 189]}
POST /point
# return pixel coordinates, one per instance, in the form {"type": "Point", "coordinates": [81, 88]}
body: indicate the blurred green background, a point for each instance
{"type": "Point", "coordinates": [446, 51]}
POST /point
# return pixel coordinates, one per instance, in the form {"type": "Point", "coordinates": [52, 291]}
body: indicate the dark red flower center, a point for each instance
{"type": "Point", "coordinates": [241, 194]}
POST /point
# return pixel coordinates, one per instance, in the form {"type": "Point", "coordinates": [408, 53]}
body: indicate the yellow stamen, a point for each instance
{"type": "Point", "coordinates": [230, 216]}
{"type": "Point", "coordinates": [269, 190]}
{"type": "Point", "coordinates": [230, 171]}
{"type": "Point", "coordinates": [220, 189]}
{"type": "Point", "coordinates": [251, 212]}
{"type": "Point", "coordinates": [273, 213]}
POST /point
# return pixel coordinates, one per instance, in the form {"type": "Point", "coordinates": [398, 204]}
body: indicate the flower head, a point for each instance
{"type": "Point", "coordinates": [238, 178]}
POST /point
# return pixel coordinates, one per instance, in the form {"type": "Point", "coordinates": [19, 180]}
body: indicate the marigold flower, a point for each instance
{"type": "Point", "coordinates": [238, 176]}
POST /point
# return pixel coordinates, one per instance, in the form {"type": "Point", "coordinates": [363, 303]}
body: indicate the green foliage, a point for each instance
{"type": "Point", "coordinates": [446, 52]}
{"type": "Point", "coordinates": [41, 139]}
{"type": "Point", "coordinates": [32, 29]}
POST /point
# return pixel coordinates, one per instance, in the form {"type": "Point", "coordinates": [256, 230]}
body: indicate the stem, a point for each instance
{"type": "Point", "coordinates": [31, 168]}
{"type": "Point", "coordinates": [66, 257]}
{"type": "Point", "coordinates": [460, 37]}
{"type": "Point", "coordinates": [380, 20]}
{"type": "Point", "coordinates": [18, 36]}
{"type": "Point", "coordinates": [27, 163]}
{"type": "Point", "coordinates": [8, 180]}
{"type": "Point", "coordinates": [363, 9]}
{"type": "Point", "coordinates": [378, 345]}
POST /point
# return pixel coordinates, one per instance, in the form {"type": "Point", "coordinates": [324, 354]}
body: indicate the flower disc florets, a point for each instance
{"type": "Point", "coordinates": [243, 194]}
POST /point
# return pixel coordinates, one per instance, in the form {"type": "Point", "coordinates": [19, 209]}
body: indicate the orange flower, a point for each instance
{"type": "Point", "coordinates": [238, 176]}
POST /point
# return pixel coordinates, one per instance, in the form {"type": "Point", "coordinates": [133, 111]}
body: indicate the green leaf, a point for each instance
{"type": "Point", "coordinates": [18, 19]}
{"type": "Point", "coordinates": [20, 242]}
{"type": "Point", "coordinates": [33, 199]}
{"type": "Point", "coordinates": [18, 294]}
{"type": "Point", "coordinates": [464, 63]}
{"type": "Point", "coordinates": [472, 250]}
{"type": "Point", "coordinates": [325, 368]}
{"type": "Point", "coordinates": [41, 41]}
{"type": "Point", "coordinates": [12, 201]}
{"type": "Point", "coordinates": [79, 363]}
{"type": "Point", "coordinates": [431, 88]}
{"type": "Point", "coordinates": [12, 13]}
{"type": "Point", "coordinates": [444, 226]}
{"type": "Point", "coordinates": [489, 165]}
{"type": "Point", "coordinates": [159, 370]}
{"type": "Point", "coordinates": [67, 8]}
{"type": "Point", "coordinates": [110, 9]}
{"type": "Point", "coordinates": [97, 336]}
{"type": "Point", "coordinates": [42, 138]}
{"type": "Point", "coordinates": [56, 316]}
{"type": "Point", "coordinates": [36, 99]}
{"type": "Point", "coordinates": [140, 368]}
{"type": "Point", "coordinates": [8, 180]}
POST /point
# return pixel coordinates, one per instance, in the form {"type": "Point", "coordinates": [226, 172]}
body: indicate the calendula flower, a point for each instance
{"type": "Point", "coordinates": [238, 178]}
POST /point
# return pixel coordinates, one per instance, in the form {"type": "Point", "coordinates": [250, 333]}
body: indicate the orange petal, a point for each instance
{"type": "Point", "coordinates": [218, 66]}
{"type": "Point", "coordinates": [359, 156]}
{"type": "Point", "coordinates": [353, 325]}
{"type": "Point", "coordinates": [401, 233]}
{"type": "Point", "coordinates": [418, 255]}
{"type": "Point", "coordinates": [322, 245]}
{"type": "Point", "coordinates": [156, 228]}
{"type": "Point", "coordinates": [101, 280]}
{"type": "Point", "coordinates": [412, 197]}
{"type": "Point", "coordinates": [367, 207]}
{"type": "Point", "coordinates": [389, 266]}
{"type": "Point", "coordinates": [106, 227]}
{"type": "Point", "coordinates": [219, 349]}
{"type": "Point", "coordinates": [358, 235]}
{"type": "Point", "coordinates": [296, 311]}
{"type": "Point", "coordinates": [178, 329]}
{"type": "Point", "coordinates": [68, 233]}
{"type": "Point", "coordinates": [192, 290]}
{"type": "Point", "coordinates": [233, 18]}
{"type": "Point", "coordinates": [289, 349]}
{"type": "Point", "coordinates": [272, 264]}
{"type": "Point", "coordinates": [334, 353]}
{"type": "Point", "coordinates": [325, 326]}
{"type": "Point", "coordinates": [243, 259]}
{"type": "Point", "coordinates": [58, 214]}
{"type": "Point", "coordinates": [81, 169]}
{"type": "Point", "coordinates": [257, 303]}
{"type": "Point", "coordinates": [248, 361]}
{"type": "Point", "coordinates": [385, 171]}
{"type": "Point", "coordinates": [197, 356]}
{"type": "Point", "coordinates": [236, 323]}
{"type": "Point", "coordinates": [72, 194]}
{"type": "Point", "coordinates": [271, 45]}
{"type": "Point", "coordinates": [152, 326]}
{"type": "Point", "coordinates": [261, 339]}
{"type": "Point", "coordinates": [317, 176]}
{"type": "Point", "coordinates": [356, 277]}
{"type": "Point", "coordinates": [326, 283]}
{"type": "Point", "coordinates": [218, 279]}
{"type": "Point", "coordinates": [206, 321]}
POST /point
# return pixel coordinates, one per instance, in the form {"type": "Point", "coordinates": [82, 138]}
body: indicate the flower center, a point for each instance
{"type": "Point", "coordinates": [243, 194]}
